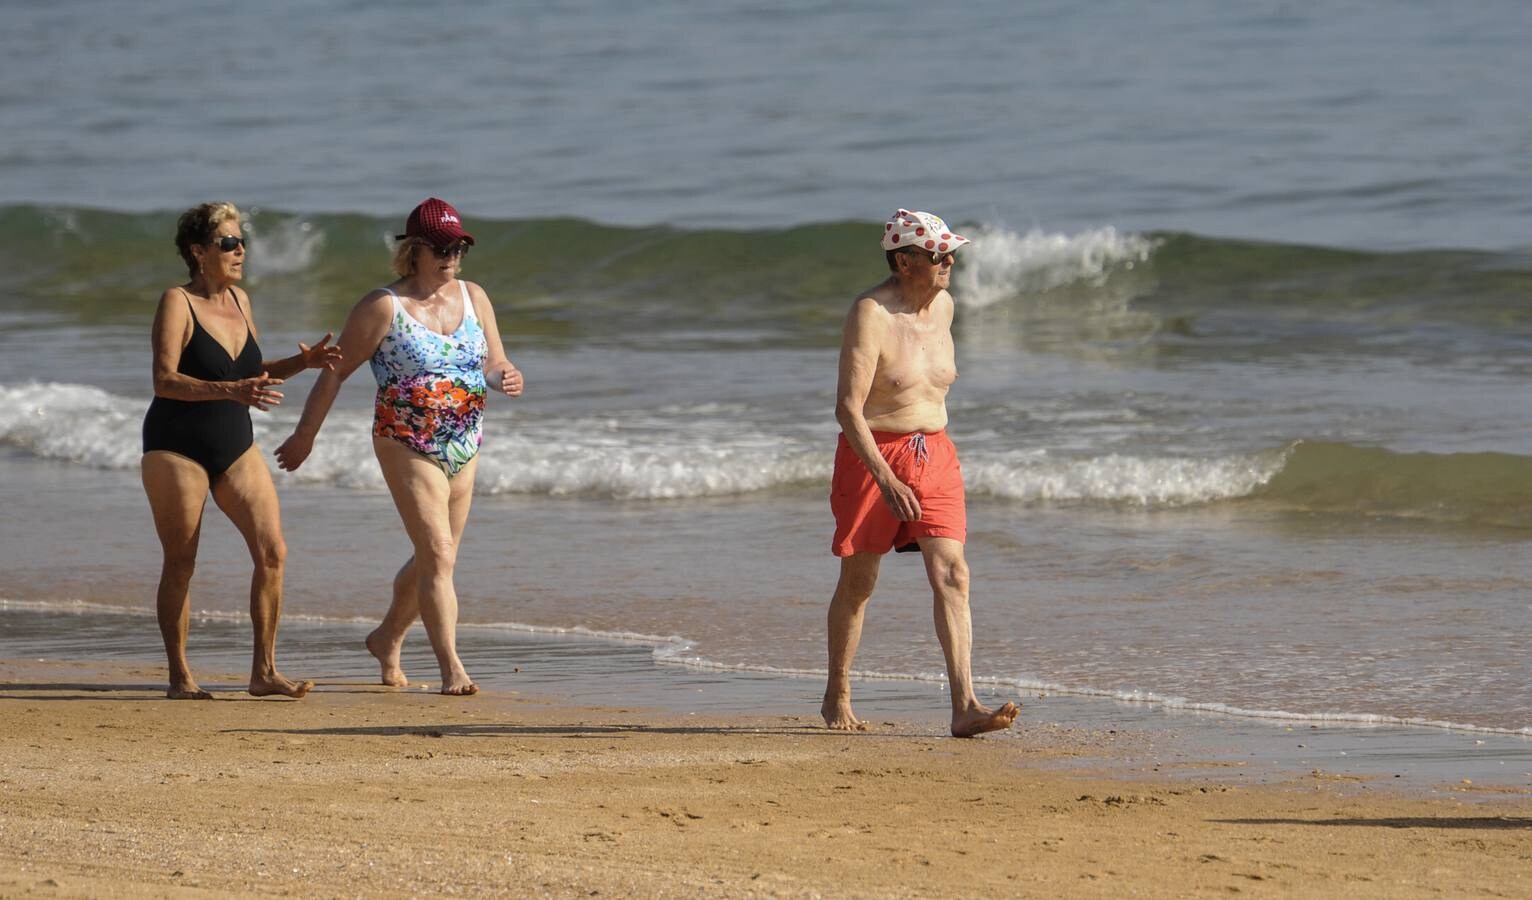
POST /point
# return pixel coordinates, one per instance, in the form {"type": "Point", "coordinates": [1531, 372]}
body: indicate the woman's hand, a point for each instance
{"type": "Point", "coordinates": [321, 355]}
{"type": "Point", "coordinates": [257, 391]}
{"type": "Point", "coordinates": [294, 451]}
{"type": "Point", "coordinates": [511, 383]}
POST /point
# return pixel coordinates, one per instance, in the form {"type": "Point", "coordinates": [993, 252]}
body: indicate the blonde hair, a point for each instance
{"type": "Point", "coordinates": [404, 256]}
{"type": "Point", "coordinates": [196, 226]}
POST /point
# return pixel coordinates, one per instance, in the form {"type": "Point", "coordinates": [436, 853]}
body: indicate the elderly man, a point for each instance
{"type": "Point", "coordinates": [897, 482]}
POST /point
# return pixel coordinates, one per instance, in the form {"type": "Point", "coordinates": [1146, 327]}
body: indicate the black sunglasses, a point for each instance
{"type": "Point", "coordinates": [228, 242]}
{"type": "Point", "coordinates": [937, 259]}
{"type": "Point", "coordinates": [458, 249]}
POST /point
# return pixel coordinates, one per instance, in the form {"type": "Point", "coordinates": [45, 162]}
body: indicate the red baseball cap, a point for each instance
{"type": "Point", "coordinates": [436, 223]}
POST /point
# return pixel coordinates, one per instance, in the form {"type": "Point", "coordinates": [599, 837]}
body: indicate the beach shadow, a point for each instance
{"type": "Point", "coordinates": [82, 688]}
{"type": "Point", "coordinates": [467, 730]}
{"type": "Point", "coordinates": [1501, 823]}
{"type": "Point", "coordinates": [131, 693]}
{"type": "Point", "coordinates": [52, 693]}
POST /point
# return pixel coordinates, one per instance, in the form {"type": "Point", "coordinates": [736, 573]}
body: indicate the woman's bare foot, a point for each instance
{"type": "Point", "coordinates": [981, 719]}
{"type": "Point", "coordinates": [839, 717]}
{"type": "Point", "coordinates": [463, 688]}
{"type": "Point", "coordinates": [275, 684]}
{"type": "Point", "coordinates": [387, 655]}
{"type": "Point", "coordinates": [187, 690]}
{"type": "Point", "coordinates": [455, 680]}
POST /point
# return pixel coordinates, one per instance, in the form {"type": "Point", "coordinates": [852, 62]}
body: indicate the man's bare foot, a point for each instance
{"type": "Point", "coordinates": [274, 684]}
{"type": "Point", "coordinates": [839, 717]}
{"type": "Point", "coordinates": [187, 690]}
{"type": "Point", "coordinates": [981, 719]}
{"type": "Point", "coordinates": [387, 656]}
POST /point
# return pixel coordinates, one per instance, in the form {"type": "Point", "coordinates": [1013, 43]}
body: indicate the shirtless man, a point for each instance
{"type": "Point", "coordinates": [897, 482]}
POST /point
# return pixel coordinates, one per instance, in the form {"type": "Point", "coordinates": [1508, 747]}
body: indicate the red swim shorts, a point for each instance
{"type": "Point", "coordinates": [928, 463]}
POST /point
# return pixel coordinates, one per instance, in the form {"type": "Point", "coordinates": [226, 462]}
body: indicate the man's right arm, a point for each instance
{"type": "Point", "coordinates": [861, 345]}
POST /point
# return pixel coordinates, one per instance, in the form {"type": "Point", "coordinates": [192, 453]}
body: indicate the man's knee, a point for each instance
{"type": "Point", "coordinates": [180, 563]}
{"type": "Point", "coordinates": [950, 574]}
{"type": "Point", "coordinates": [271, 555]}
{"type": "Point", "coordinates": [857, 581]}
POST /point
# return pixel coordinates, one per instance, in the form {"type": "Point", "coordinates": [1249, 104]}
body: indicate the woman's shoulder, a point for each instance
{"type": "Point", "coordinates": [478, 295]}
{"type": "Point", "coordinates": [173, 294]}
{"type": "Point", "coordinates": [377, 298]}
{"type": "Point", "coordinates": [174, 305]}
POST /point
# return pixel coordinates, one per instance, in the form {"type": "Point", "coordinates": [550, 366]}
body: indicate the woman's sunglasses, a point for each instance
{"type": "Point", "coordinates": [458, 249]}
{"type": "Point", "coordinates": [228, 243]}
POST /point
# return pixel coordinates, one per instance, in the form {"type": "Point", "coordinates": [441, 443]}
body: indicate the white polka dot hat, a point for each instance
{"type": "Point", "coordinates": [921, 230]}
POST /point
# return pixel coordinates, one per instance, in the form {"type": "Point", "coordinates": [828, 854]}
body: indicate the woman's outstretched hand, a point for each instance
{"type": "Point", "coordinates": [321, 355]}
{"type": "Point", "coordinates": [257, 391]}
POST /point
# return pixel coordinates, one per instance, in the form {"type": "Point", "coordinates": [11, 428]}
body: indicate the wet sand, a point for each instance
{"type": "Point", "coordinates": [363, 790]}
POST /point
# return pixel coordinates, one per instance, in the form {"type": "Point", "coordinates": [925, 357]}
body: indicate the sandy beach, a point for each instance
{"type": "Point", "coordinates": [363, 790]}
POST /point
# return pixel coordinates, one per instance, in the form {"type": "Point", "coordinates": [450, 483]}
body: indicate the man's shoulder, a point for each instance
{"type": "Point", "coordinates": [874, 300]}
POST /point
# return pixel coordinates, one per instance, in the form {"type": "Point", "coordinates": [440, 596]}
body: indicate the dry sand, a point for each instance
{"type": "Point", "coordinates": [109, 790]}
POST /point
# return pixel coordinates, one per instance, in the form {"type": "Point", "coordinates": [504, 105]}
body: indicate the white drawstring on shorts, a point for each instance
{"type": "Point", "coordinates": [917, 443]}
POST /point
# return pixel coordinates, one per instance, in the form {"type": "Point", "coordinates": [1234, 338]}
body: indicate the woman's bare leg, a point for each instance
{"type": "Point", "coordinates": [247, 496]}
{"type": "Point", "coordinates": [386, 642]}
{"type": "Point", "coordinates": [434, 509]}
{"type": "Point", "coordinates": [177, 491]}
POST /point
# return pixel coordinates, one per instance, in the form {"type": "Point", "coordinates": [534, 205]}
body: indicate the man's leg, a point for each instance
{"type": "Point", "coordinates": [948, 572]}
{"type": "Point", "coordinates": [858, 576]}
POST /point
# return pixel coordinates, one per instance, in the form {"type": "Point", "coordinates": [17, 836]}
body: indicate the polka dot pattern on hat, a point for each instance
{"type": "Point", "coordinates": [920, 229]}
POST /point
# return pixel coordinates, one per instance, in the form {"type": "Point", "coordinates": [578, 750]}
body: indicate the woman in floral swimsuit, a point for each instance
{"type": "Point", "coordinates": [434, 349]}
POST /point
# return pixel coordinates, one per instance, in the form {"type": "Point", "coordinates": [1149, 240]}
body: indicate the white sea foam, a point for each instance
{"type": "Point", "coordinates": [1001, 264]}
{"type": "Point", "coordinates": [1145, 481]}
{"type": "Point", "coordinates": [651, 455]}
{"type": "Point", "coordinates": [72, 422]}
{"type": "Point", "coordinates": [644, 466]}
{"type": "Point", "coordinates": [282, 246]}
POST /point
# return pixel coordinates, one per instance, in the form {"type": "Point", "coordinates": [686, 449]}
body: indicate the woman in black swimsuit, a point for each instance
{"type": "Point", "coordinates": [208, 372]}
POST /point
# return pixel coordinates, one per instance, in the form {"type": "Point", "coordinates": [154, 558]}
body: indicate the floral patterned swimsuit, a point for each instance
{"type": "Point", "coordinates": [431, 386]}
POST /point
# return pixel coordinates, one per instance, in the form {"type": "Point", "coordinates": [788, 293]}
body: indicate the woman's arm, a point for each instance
{"type": "Point", "coordinates": [359, 339]}
{"type": "Point", "coordinates": [169, 335]}
{"type": "Point", "coordinates": [319, 356]}
{"type": "Point", "coordinates": [499, 372]}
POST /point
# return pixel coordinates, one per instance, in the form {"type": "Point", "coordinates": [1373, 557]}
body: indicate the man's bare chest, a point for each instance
{"type": "Point", "coordinates": [914, 357]}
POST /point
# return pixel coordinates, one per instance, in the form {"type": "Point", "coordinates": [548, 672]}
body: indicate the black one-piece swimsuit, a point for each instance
{"type": "Point", "coordinates": [212, 433]}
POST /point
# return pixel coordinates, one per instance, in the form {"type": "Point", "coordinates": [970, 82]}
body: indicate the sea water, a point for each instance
{"type": "Point", "coordinates": [1243, 336]}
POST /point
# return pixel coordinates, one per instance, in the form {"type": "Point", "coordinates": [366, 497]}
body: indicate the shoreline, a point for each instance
{"type": "Point", "coordinates": [360, 789]}
{"type": "Point", "coordinates": [585, 670]}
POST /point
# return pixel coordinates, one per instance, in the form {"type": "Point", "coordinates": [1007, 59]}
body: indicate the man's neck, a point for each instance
{"type": "Point", "coordinates": [915, 299]}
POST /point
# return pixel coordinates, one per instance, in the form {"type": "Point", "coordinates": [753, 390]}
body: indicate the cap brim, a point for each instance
{"type": "Point", "coordinates": [465, 237]}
